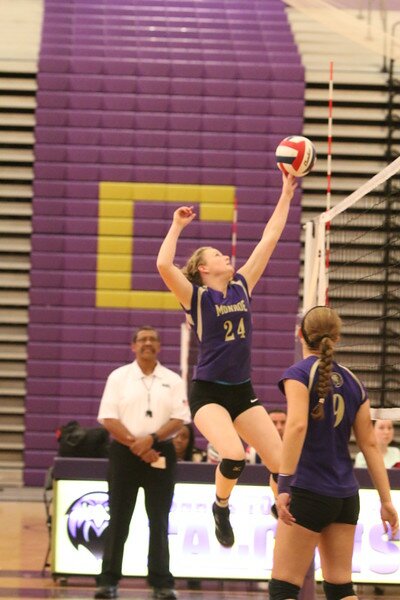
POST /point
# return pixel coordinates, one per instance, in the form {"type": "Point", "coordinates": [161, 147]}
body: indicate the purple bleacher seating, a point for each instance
{"type": "Point", "coordinates": [83, 135]}
{"type": "Point", "coordinates": [201, 99]}
{"type": "Point", "coordinates": [184, 175]}
{"type": "Point", "coordinates": [113, 102]}
{"type": "Point", "coordinates": [182, 68]}
{"type": "Point", "coordinates": [119, 173]}
{"type": "Point", "coordinates": [54, 64]}
{"type": "Point", "coordinates": [218, 158]}
{"type": "Point", "coordinates": [180, 158]}
{"type": "Point", "coordinates": [85, 83]}
{"type": "Point", "coordinates": [157, 138]}
{"type": "Point", "coordinates": [259, 178]}
{"type": "Point", "coordinates": [210, 176]}
{"type": "Point", "coordinates": [254, 160]}
{"type": "Point", "coordinates": [185, 122]}
{"type": "Point", "coordinates": [245, 141]}
{"type": "Point", "coordinates": [118, 84]}
{"type": "Point", "coordinates": [153, 85]}
{"type": "Point", "coordinates": [224, 87]}
{"type": "Point", "coordinates": [217, 141]}
{"type": "Point", "coordinates": [216, 70]}
{"type": "Point", "coordinates": [114, 119]}
{"type": "Point", "coordinates": [150, 156]}
{"type": "Point", "coordinates": [186, 104]}
{"type": "Point", "coordinates": [154, 68]}
{"type": "Point", "coordinates": [184, 139]}
{"type": "Point", "coordinates": [121, 137]}
{"type": "Point", "coordinates": [152, 103]}
{"type": "Point", "coordinates": [79, 154]}
{"type": "Point", "coordinates": [223, 123]}
{"type": "Point", "coordinates": [150, 174]}
{"type": "Point", "coordinates": [222, 106]}
{"type": "Point", "coordinates": [49, 152]}
{"type": "Point", "coordinates": [51, 100]}
{"type": "Point", "coordinates": [151, 121]}
{"type": "Point", "coordinates": [116, 155]}
{"type": "Point", "coordinates": [186, 86]}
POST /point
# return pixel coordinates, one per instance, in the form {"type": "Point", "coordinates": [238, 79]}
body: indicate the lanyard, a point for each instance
{"type": "Point", "coordinates": [149, 412]}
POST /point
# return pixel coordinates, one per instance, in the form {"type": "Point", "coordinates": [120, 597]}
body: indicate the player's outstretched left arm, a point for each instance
{"type": "Point", "coordinates": [258, 260]}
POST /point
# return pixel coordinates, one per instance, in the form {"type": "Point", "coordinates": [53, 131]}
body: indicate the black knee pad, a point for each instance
{"type": "Point", "coordinates": [231, 469]}
{"type": "Point", "coordinates": [337, 591]}
{"type": "Point", "coordinates": [282, 590]}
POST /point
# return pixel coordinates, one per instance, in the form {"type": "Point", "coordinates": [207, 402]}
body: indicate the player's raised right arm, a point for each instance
{"type": "Point", "coordinates": [172, 276]}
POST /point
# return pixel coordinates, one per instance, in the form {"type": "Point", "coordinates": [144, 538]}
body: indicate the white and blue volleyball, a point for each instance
{"type": "Point", "coordinates": [296, 155]}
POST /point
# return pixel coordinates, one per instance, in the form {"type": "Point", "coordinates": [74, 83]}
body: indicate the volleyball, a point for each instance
{"type": "Point", "coordinates": [296, 155]}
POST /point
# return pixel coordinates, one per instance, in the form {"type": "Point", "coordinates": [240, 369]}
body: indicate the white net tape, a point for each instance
{"type": "Point", "coordinates": [392, 414]}
{"type": "Point", "coordinates": [365, 189]}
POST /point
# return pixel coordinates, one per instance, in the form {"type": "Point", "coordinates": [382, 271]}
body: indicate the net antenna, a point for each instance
{"type": "Point", "coordinates": [329, 175]}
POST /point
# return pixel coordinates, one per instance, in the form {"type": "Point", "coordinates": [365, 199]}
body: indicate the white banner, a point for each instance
{"type": "Point", "coordinates": [81, 517]}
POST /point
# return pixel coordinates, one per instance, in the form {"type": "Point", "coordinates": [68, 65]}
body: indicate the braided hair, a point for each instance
{"type": "Point", "coordinates": [320, 328]}
{"type": "Point", "coordinates": [191, 269]}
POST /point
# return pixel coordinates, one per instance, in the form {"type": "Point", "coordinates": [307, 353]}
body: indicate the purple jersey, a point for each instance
{"type": "Point", "coordinates": [325, 466]}
{"type": "Point", "coordinates": [223, 328]}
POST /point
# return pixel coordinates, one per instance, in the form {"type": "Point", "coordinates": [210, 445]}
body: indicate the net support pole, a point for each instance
{"type": "Point", "coordinates": [322, 279]}
{"type": "Point", "coordinates": [314, 264]}
{"type": "Point", "coordinates": [328, 178]}
{"type": "Point", "coordinates": [309, 254]}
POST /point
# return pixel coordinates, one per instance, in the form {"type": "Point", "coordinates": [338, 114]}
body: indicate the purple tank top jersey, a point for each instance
{"type": "Point", "coordinates": [325, 465]}
{"type": "Point", "coordinates": [223, 328]}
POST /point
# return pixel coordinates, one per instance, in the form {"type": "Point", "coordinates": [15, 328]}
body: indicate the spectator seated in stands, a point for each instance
{"type": "Point", "coordinates": [278, 417]}
{"type": "Point", "coordinates": [184, 445]}
{"type": "Point", "coordinates": [384, 433]}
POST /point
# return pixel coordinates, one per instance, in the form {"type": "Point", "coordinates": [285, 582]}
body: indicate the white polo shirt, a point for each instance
{"type": "Point", "coordinates": [129, 394]}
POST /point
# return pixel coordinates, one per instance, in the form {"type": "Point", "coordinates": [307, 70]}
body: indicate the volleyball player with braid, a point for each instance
{"type": "Point", "coordinates": [318, 501]}
{"type": "Point", "coordinates": [216, 300]}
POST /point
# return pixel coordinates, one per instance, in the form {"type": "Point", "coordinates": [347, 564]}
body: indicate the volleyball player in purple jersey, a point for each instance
{"type": "Point", "coordinates": [223, 403]}
{"type": "Point", "coordinates": [318, 501]}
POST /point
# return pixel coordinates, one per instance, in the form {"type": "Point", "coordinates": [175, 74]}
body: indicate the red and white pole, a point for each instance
{"type": "Point", "coordinates": [329, 178]}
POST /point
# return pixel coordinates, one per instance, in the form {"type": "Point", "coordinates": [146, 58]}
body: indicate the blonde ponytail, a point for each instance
{"type": "Point", "coordinates": [321, 330]}
{"type": "Point", "coordinates": [191, 269]}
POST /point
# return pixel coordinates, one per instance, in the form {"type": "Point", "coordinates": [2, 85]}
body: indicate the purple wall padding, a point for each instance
{"type": "Point", "coordinates": [177, 91]}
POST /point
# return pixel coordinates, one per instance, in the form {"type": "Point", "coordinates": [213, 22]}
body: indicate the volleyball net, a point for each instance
{"type": "Point", "coordinates": [352, 263]}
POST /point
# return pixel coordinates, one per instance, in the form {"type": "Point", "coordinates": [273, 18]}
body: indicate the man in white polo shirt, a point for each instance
{"type": "Point", "coordinates": [143, 406]}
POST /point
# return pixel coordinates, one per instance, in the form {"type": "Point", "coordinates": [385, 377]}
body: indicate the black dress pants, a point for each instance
{"type": "Point", "coordinates": [127, 473]}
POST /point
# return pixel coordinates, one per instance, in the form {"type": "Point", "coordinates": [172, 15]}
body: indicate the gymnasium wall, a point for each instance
{"type": "Point", "coordinates": [141, 109]}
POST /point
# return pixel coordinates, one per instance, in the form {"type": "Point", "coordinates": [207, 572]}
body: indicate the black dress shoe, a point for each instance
{"type": "Point", "coordinates": [107, 591]}
{"type": "Point", "coordinates": [164, 594]}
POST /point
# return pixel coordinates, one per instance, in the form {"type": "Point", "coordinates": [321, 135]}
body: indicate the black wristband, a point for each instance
{"type": "Point", "coordinates": [284, 482]}
{"type": "Point", "coordinates": [155, 438]}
